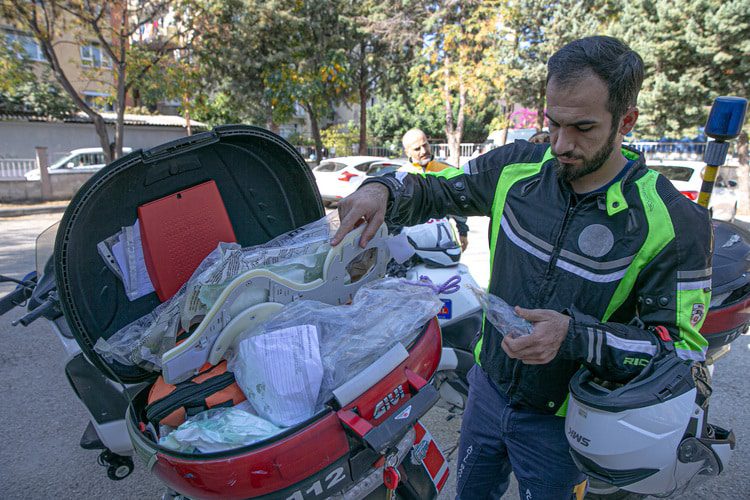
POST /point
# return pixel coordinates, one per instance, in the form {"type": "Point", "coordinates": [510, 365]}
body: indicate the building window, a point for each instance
{"type": "Point", "coordinates": [25, 47]}
{"type": "Point", "coordinates": [92, 55]}
{"type": "Point", "coordinates": [99, 101]}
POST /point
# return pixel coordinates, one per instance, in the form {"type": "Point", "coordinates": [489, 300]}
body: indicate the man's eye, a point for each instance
{"type": "Point", "coordinates": [584, 129]}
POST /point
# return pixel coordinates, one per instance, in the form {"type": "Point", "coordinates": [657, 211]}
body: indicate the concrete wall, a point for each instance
{"type": "Point", "coordinates": [19, 138]}
{"type": "Point", "coordinates": [64, 186]}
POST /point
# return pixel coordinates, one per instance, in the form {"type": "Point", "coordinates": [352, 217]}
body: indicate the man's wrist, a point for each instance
{"type": "Point", "coordinates": [384, 181]}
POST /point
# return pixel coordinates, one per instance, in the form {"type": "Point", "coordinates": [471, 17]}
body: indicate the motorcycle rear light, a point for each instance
{"type": "Point", "coordinates": [693, 195]}
{"type": "Point", "coordinates": [347, 176]}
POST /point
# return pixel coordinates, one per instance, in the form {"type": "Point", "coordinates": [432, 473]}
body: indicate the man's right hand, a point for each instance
{"type": "Point", "coordinates": [367, 204]}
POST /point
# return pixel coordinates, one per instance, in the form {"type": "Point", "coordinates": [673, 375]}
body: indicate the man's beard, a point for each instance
{"type": "Point", "coordinates": [570, 173]}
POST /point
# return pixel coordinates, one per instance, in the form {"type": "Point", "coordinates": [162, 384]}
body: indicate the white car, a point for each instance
{"type": "Point", "coordinates": [77, 161]}
{"type": "Point", "coordinates": [687, 177]}
{"type": "Point", "coordinates": [334, 176]}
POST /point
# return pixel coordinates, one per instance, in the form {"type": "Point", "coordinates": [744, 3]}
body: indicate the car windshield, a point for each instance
{"type": "Point", "coordinates": [62, 162]}
{"type": "Point", "coordinates": [673, 173]}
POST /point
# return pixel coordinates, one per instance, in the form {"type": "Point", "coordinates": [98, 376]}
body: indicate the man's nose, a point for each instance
{"type": "Point", "coordinates": [561, 143]}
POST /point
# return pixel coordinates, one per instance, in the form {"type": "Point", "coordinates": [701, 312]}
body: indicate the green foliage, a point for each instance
{"type": "Point", "coordinates": [693, 52]}
{"type": "Point", "coordinates": [390, 118]}
{"type": "Point", "coordinates": [539, 28]}
{"type": "Point", "coordinates": [22, 91]}
{"type": "Point", "coordinates": [340, 139]}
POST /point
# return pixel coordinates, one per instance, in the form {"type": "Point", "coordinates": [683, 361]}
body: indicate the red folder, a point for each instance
{"type": "Point", "coordinates": [179, 231]}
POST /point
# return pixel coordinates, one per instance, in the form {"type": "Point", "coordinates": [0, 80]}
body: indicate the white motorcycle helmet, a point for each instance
{"type": "Point", "coordinates": [651, 435]}
{"type": "Point", "coordinates": [435, 242]}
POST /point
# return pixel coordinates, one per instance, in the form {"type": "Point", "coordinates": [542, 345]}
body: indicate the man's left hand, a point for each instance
{"type": "Point", "coordinates": [539, 348]}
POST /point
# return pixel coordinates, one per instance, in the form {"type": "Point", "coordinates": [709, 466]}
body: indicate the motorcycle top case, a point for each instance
{"type": "Point", "coordinates": [267, 190]}
{"type": "Point", "coordinates": [729, 314]}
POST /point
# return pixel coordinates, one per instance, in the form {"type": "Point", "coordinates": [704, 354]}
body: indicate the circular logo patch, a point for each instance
{"type": "Point", "coordinates": [596, 240]}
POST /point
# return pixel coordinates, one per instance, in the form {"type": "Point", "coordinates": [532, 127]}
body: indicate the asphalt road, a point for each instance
{"type": "Point", "coordinates": [41, 421]}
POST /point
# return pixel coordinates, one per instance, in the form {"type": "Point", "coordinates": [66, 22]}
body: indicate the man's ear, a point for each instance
{"type": "Point", "coordinates": [627, 122]}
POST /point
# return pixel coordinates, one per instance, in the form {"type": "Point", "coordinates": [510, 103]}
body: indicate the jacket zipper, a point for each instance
{"type": "Point", "coordinates": [515, 380]}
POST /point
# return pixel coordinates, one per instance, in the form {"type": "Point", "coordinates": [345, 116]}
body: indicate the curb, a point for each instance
{"type": "Point", "coordinates": [32, 210]}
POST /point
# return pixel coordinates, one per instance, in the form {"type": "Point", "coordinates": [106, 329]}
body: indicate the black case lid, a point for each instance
{"type": "Point", "coordinates": [266, 186]}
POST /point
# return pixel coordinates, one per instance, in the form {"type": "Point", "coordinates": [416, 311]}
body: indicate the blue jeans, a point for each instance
{"type": "Point", "coordinates": [496, 439]}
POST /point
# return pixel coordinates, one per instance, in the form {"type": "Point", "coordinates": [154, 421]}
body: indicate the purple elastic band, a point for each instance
{"type": "Point", "coordinates": [450, 286]}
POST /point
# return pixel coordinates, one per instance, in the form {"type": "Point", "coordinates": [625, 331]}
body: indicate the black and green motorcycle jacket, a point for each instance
{"type": "Point", "coordinates": [627, 264]}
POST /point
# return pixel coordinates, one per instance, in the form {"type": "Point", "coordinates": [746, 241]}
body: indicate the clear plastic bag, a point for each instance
{"type": "Point", "coordinates": [219, 429]}
{"type": "Point", "coordinates": [351, 337]}
{"type": "Point", "coordinates": [280, 372]}
{"type": "Point", "coordinates": [297, 254]}
{"type": "Point", "coordinates": [502, 315]}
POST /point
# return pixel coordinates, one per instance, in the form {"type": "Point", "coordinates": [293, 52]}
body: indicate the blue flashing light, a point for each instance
{"type": "Point", "coordinates": [726, 118]}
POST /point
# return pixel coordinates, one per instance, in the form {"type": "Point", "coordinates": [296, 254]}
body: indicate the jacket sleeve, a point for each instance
{"type": "Point", "coordinates": [461, 225]}
{"type": "Point", "coordinates": [671, 296]}
{"type": "Point", "coordinates": [463, 192]}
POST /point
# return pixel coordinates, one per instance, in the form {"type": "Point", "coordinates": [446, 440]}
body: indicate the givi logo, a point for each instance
{"type": "Point", "coordinates": [387, 402]}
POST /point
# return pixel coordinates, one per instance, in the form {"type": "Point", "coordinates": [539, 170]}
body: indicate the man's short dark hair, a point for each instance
{"type": "Point", "coordinates": [620, 67]}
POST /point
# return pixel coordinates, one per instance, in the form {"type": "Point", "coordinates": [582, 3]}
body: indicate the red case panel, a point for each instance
{"type": "Point", "coordinates": [179, 231]}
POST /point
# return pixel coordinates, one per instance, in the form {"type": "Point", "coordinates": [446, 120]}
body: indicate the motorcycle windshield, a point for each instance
{"type": "Point", "coordinates": [45, 247]}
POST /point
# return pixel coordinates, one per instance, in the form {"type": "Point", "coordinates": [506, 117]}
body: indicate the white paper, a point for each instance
{"type": "Point", "coordinates": [140, 282]}
{"type": "Point", "coordinates": [280, 372]}
{"type": "Point", "coordinates": [128, 253]}
{"type": "Point", "coordinates": [400, 248]}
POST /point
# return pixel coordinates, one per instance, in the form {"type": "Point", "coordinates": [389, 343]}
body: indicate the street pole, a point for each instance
{"type": "Point", "coordinates": [724, 124]}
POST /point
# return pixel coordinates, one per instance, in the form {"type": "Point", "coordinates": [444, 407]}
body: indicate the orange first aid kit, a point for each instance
{"type": "Point", "coordinates": [213, 387]}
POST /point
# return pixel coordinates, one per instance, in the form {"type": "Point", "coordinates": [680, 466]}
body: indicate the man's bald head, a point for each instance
{"type": "Point", "coordinates": [416, 147]}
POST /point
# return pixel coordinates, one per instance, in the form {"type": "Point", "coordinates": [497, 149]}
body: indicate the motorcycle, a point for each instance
{"type": "Point", "coordinates": [437, 254]}
{"type": "Point", "coordinates": [365, 446]}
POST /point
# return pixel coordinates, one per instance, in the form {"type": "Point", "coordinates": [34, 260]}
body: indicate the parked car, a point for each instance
{"type": "Point", "coordinates": [334, 176]}
{"type": "Point", "coordinates": [77, 161]}
{"type": "Point", "coordinates": [375, 169]}
{"type": "Point", "coordinates": [687, 177]}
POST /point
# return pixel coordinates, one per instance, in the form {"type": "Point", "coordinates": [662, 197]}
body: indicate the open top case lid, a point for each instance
{"type": "Point", "coordinates": [265, 185]}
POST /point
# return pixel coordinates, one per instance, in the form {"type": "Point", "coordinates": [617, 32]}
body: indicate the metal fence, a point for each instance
{"type": "Point", "coordinates": [15, 168]}
{"type": "Point", "coordinates": [671, 150]}
{"type": "Point", "coordinates": [651, 149]}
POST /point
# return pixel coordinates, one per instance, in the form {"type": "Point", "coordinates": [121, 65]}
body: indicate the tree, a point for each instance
{"type": "Point", "coordinates": [693, 53]}
{"type": "Point", "coordinates": [538, 28]}
{"type": "Point", "coordinates": [675, 93]}
{"type": "Point", "coordinates": [113, 26]}
{"type": "Point", "coordinates": [383, 37]}
{"type": "Point", "coordinates": [726, 41]}
{"type": "Point", "coordinates": [21, 91]}
{"type": "Point", "coordinates": [460, 68]}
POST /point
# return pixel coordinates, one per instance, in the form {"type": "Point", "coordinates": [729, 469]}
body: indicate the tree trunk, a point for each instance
{"type": "Point", "coordinates": [363, 118]}
{"type": "Point", "coordinates": [540, 107]}
{"type": "Point", "coordinates": [99, 125]}
{"type": "Point", "coordinates": [459, 132]}
{"type": "Point", "coordinates": [364, 77]}
{"type": "Point", "coordinates": [186, 107]}
{"type": "Point", "coordinates": [120, 121]}
{"type": "Point", "coordinates": [743, 176]}
{"type": "Point", "coordinates": [450, 129]}
{"type": "Point", "coordinates": [312, 114]}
